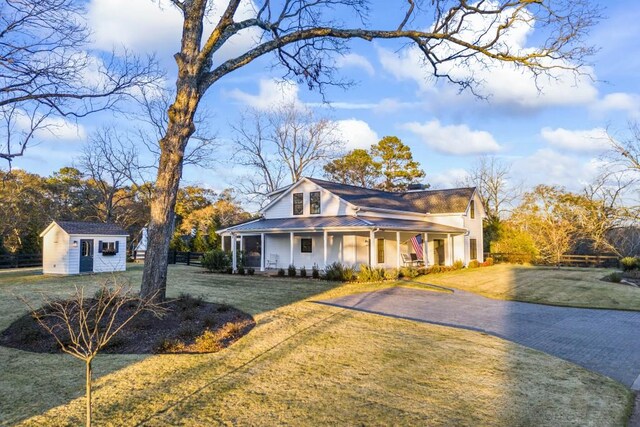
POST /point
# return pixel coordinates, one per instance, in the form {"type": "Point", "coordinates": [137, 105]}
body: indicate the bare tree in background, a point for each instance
{"type": "Point", "coordinates": [627, 150]}
{"type": "Point", "coordinates": [281, 146]}
{"type": "Point", "coordinates": [84, 326]}
{"type": "Point", "coordinates": [492, 178]}
{"type": "Point", "coordinates": [47, 78]}
{"type": "Point", "coordinates": [303, 38]}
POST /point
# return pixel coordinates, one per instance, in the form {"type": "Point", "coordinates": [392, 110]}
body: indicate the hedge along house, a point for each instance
{"type": "Point", "coordinates": [317, 222]}
{"type": "Point", "coordinates": [74, 247]}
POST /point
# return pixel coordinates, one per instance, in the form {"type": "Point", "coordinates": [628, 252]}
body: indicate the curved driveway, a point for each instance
{"type": "Point", "coordinates": [605, 341]}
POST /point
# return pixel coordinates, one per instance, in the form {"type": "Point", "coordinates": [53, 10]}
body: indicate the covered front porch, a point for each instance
{"type": "Point", "coordinates": [400, 243]}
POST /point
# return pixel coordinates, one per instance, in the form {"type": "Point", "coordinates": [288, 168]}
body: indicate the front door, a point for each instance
{"type": "Point", "coordinates": [86, 256]}
{"type": "Point", "coordinates": [438, 251]}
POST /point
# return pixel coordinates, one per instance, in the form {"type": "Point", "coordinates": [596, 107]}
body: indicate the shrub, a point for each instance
{"type": "Point", "coordinates": [229, 270]}
{"type": "Point", "coordinates": [488, 262]}
{"type": "Point", "coordinates": [315, 272]}
{"type": "Point", "coordinates": [391, 274]}
{"type": "Point", "coordinates": [369, 274]}
{"type": "Point", "coordinates": [241, 270]}
{"type": "Point", "coordinates": [409, 272]}
{"type": "Point", "coordinates": [303, 272]}
{"type": "Point", "coordinates": [291, 270]}
{"type": "Point", "coordinates": [613, 277]}
{"type": "Point", "coordinates": [458, 264]}
{"type": "Point", "coordinates": [251, 271]}
{"type": "Point", "coordinates": [208, 342]}
{"type": "Point", "coordinates": [339, 272]}
{"type": "Point", "coordinates": [435, 269]}
{"type": "Point", "coordinates": [474, 263]}
{"type": "Point", "coordinates": [630, 263]}
{"type": "Point", "coordinates": [281, 272]}
{"type": "Point", "coordinates": [216, 260]}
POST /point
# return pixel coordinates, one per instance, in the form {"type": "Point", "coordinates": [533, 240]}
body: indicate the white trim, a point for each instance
{"type": "Point", "coordinates": [291, 248]}
{"type": "Point", "coordinates": [398, 250]}
{"type": "Point", "coordinates": [224, 230]}
{"type": "Point", "coordinates": [262, 251]}
{"type": "Point", "coordinates": [325, 235]}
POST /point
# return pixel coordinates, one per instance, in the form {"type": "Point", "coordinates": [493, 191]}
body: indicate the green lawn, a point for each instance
{"type": "Point", "coordinates": [575, 287]}
{"type": "Point", "coordinates": [304, 364]}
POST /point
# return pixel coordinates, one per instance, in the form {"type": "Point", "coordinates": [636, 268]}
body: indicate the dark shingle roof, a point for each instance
{"type": "Point", "coordinates": [319, 223]}
{"type": "Point", "coordinates": [452, 200]}
{"type": "Point", "coordinates": [99, 228]}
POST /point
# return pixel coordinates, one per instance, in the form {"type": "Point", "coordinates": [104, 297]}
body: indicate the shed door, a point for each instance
{"type": "Point", "coordinates": [86, 255]}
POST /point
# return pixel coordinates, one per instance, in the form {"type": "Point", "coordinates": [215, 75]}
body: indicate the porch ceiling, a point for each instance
{"type": "Point", "coordinates": [336, 223]}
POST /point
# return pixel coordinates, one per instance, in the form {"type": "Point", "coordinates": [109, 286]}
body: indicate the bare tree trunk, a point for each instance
{"type": "Point", "coordinates": [88, 392]}
{"type": "Point", "coordinates": [180, 128]}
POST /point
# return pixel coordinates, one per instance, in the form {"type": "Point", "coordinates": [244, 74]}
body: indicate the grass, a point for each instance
{"type": "Point", "coordinates": [572, 287]}
{"type": "Point", "coordinates": [304, 364]}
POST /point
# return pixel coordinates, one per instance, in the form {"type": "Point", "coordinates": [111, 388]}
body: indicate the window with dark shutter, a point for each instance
{"type": "Point", "coordinates": [314, 202]}
{"type": "Point", "coordinates": [473, 243]}
{"type": "Point", "coordinates": [108, 248]}
{"type": "Point", "coordinates": [298, 203]}
{"type": "Point", "coordinates": [306, 245]}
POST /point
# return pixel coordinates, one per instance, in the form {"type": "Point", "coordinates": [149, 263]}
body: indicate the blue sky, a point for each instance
{"type": "Point", "coordinates": [554, 138]}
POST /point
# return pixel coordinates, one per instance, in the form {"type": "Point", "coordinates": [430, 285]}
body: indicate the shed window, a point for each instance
{"type": "Point", "coordinates": [380, 247]}
{"type": "Point", "coordinates": [306, 245]}
{"type": "Point", "coordinates": [314, 202]}
{"type": "Point", "coordinates": [472, 209]}
{"type": "Point", "coordinates": [298, 203]}
{"type": "Point", "coordinates": [109, 248]}
{"type": "Point", "coordinates": [473, 243]}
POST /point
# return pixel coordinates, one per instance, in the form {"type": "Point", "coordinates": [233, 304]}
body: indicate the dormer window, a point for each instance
{"type": "Point", "coordinates": [298, 203]}
{"type": "Point", "coordinates": [472, 209]}
{"type": "Point", "coordinates": [314, 202]}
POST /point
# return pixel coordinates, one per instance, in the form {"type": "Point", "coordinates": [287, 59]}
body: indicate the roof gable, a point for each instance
{"type": "Point", "coordinates": [88, 228]}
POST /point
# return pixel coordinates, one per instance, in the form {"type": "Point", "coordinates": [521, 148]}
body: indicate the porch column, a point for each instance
{"type": "Point", "coordinates": [222, 242]}
{"type": "Point", "coordinates": [372, 248]}
{"type": "Point", "coordinates": [291, 248]}
{"type": "Point", "coordinates": [398, 250]}
{"type": "Point", "coordinates": [425, 247]}
{"type": "Point", "coordinates": [234, 262]}
{"type": "Point", "coordinates": [450, 241]}
{"type": "Point", "coordinates": [261, 251]}
{"type": "Point", "coordinates": [241, 243]}
{"type": "Point", "coordinates": [325, 237]}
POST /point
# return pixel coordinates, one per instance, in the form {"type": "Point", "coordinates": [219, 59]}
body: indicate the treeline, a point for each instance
{"type": "Point", "coordinates": [29, 202]}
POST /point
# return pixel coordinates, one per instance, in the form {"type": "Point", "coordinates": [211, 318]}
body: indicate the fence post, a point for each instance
{"type": "Point", "coordinates": [188, 258]}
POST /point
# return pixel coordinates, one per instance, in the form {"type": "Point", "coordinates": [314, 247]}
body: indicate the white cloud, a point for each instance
{"type": "Point", "coordinates": [619, 102]}
{"type": "Point", "coordinates": [547, 166]}
{"type": "Point", "coordinates": [450, 178]}
{"type": "Point", "coordinates": [147, 25]}
{"type": "Point", "coordinates": [356, 134]}
{"type": "Point", "coordinates": [385, 105]}
{"type": "Point", "coordinates": [270, 93]}
{"type": "Point", "coordinates": [503, 82]}
{"type": "Point", "coordinates": [595, 139]}
{"type": "Point", "coordinates": [51, 128]}
{"type": "Point", "coordinates": [453, 139]}
{"type": "Point", "coordinates": [353, 60]}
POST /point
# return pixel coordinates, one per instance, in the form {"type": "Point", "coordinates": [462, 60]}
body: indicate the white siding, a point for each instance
{"type": "Point", "coordinates": [55, 246]}
{"type": "Point", "coordinates": [475, 228]}
{"type": "Point", "coordinates": [330, 204]}
{"type": "Point", "coordinates": [109, 263]}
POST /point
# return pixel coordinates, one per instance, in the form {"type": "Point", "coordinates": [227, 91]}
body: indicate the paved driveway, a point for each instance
{"type": "Point", "coordinates": [605, 341]}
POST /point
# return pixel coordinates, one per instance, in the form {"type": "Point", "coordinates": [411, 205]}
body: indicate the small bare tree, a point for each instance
{"type": "Point", "coordinates": [281, 146]}
{"type": "Point", "coordinates": [627, 151]}
{"type": "Point", "coordinates": [84, 326]}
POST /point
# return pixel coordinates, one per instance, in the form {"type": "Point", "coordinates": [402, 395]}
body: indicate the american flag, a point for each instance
{"type": "Point", "coordinates": [416, 242]}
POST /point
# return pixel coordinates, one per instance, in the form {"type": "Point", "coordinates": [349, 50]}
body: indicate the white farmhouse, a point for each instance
{"type": "Point", "coordinates": [73, 247]}
{"type": "Point", "coordinates": [317, 222]}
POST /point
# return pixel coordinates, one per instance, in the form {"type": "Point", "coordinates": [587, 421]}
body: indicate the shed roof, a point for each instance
{"type": "Point", "coordinates": [89, 228]}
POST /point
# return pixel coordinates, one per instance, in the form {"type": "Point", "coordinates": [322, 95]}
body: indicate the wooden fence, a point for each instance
{"type": "Point", "coordinates": [20, 260]}
{"type": "Point", "coordinates": [188, 258]}
{"type": "Point", "coordinates": [569, 260]}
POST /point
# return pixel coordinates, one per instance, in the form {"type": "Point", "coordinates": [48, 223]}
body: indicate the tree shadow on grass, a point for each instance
{"type": "Point", "coordinates": [34, 383]}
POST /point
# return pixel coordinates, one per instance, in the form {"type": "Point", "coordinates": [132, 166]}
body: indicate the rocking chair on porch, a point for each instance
{"type": "Point", "coordinates": [272, 261]}
{"type": "Point", "coordinates": [411, 260]}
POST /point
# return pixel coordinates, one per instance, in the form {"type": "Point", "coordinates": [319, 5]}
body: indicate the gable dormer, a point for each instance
{"type": "Point", "coordinates": [306, 199]}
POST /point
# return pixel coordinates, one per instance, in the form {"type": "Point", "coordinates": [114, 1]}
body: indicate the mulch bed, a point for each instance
{"type": "Point", "coordinates": [180, 330]}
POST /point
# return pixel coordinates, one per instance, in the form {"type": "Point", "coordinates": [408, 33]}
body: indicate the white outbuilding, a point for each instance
{"type": "Point", "coordinates": [74, 247]}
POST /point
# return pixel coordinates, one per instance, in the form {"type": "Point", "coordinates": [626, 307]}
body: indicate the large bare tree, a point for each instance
{"type": "Point", "coordinates": [303, 36]}
{"type": "Point", "coordinates": [492, 178]}
{"type": "Point", "coordinates": [280, 146]}
{"type": "Point", "coordinates": [47, 75]}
